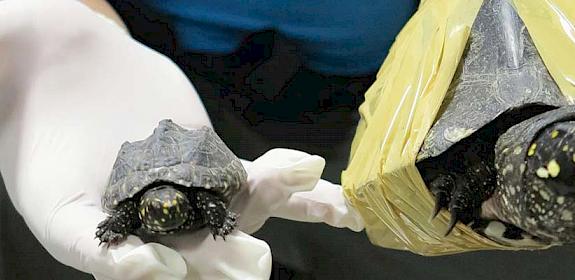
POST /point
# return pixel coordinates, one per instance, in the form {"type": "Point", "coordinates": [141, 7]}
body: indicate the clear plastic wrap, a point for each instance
{"type": "Point", "coordinates": [381, 181]}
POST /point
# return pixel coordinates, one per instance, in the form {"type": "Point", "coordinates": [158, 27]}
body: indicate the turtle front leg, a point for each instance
{"type": "Point", "coordinates": [122, 222]}
{"type": "Point", "coordinates": [220, 220]}
{"type": "Point", "coordinates": [453, 192]}
{"type": "Point", "coordinates": [471, 190]}
{"type": "Point", "coordinates": [463, 193]}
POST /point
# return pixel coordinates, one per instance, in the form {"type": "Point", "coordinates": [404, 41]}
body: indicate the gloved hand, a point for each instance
{"type": "Point", "coordinates": [73, 88]}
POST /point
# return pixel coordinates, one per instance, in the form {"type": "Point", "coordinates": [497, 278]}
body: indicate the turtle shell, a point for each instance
{"type": "Point", "coordinates": [500, 71]}
{"type": "Point", "coordinates": [189, 158]}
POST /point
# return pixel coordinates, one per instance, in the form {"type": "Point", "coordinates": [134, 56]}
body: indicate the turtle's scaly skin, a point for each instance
{"type": "Point", "coordinates": [501, 81]}
{"type": "Point", "coordinates": [473, 174]}
{"type": "Point", "coordinates": [174, 180]}
{"type": "Point", "coordinates": [123, 222]}
{"type": "Point", "coordinates": [220, 221]}
{"type": "Point", "coordinates": [157, 216]}
{"type": "Point", "coordinates": [536, 176]}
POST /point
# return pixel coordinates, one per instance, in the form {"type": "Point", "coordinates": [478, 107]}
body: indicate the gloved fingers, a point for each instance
{"type": "Point", "coordinates": [141, 263]}
{"type": "Point", "coordinates": [325, 203]}
{"type": "Point", "coordinates": [272, 179]}
{"type": "Point", "coordinates": [286, 184]}
{"type": "Point", "coordinates": [69, 237]}
{"type": "Point", "coordinates": [240, 256]}
{"type": "Point", "coordinates": [287, 170]}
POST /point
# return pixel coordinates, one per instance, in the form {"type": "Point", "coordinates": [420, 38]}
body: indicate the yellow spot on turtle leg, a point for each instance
{"type": "Point", "coordinates": [165, 211]}
{"type": "Point", "coordinates": [542, 172]}
{"type": "Point", "coordinates": [565, 148]}
{"type": "Point", "coordinates": [567, 215]}
{"type": "Point", "coordinates": [174, 202]}
{"type": "Point", "coordinates": [544, 195]}
{"type": "Point", "coordinates": [554, 134]}
{"type": "Point", "coordinates": [532, 149]}
{"type": "Point", "coordinates": [553, 168]}
{"type": "Point", "coordinates": [560, 200]}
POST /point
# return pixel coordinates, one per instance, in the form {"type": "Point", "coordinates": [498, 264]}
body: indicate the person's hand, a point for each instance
{"type": "Point", "coordinates": [73, 88]}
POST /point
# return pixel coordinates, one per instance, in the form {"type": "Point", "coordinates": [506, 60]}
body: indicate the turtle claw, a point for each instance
{"type": "Point", "coordinates": [455, 217]}
{"type": "Point", "coordinates": [107, 234]}
{"type": "Point", "coordinates": [440, 202]}
{"type": "Point", "coordinates": [215, 236]}
{"type": "Point", "coordinates": [111, 238]}
{"type": "Point", "coordinates": [464, 199]}
{"type": "Point", "coordinates": [226, 227]}
{"type": "Point", "coordinates": [116, 227]}
{"type": "Point", "coordinates": [441, 187]}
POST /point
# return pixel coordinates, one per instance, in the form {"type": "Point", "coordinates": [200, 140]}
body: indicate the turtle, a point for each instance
{"type": "Point", "coordinates": [175, 180]}
{"type": "Point", "coordinates": [501, 146]}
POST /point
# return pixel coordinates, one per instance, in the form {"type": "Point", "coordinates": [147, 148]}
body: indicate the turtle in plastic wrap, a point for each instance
{"type": "Point", "coordinates": [174, 180]}
{"type": "Point", "coordinates": [499, 155]}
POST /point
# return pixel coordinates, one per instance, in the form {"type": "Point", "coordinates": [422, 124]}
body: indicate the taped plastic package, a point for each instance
{"type": "Point", "coordinates": [382, 181]}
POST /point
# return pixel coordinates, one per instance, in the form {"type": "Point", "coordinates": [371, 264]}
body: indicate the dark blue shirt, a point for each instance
{"type": "Point", "coordinates": [343, 37]}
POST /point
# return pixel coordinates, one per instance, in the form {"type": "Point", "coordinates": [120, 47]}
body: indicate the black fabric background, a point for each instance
{"type": "Point", "coordinates": [318, 117]}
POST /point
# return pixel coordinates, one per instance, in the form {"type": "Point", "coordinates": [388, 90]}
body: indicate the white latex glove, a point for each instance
{"type": "Point", "coordinates": [291, 189]}
{"type": "Point", "coordinates": [73, 88]}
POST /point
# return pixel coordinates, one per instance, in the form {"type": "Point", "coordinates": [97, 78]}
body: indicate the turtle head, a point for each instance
{"type": "Point", "coordinates": [164, 209]}
{"type": "Point", "coordinates": [550, 199]}
{"type": "Point", "coordinates": [540, 198]}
